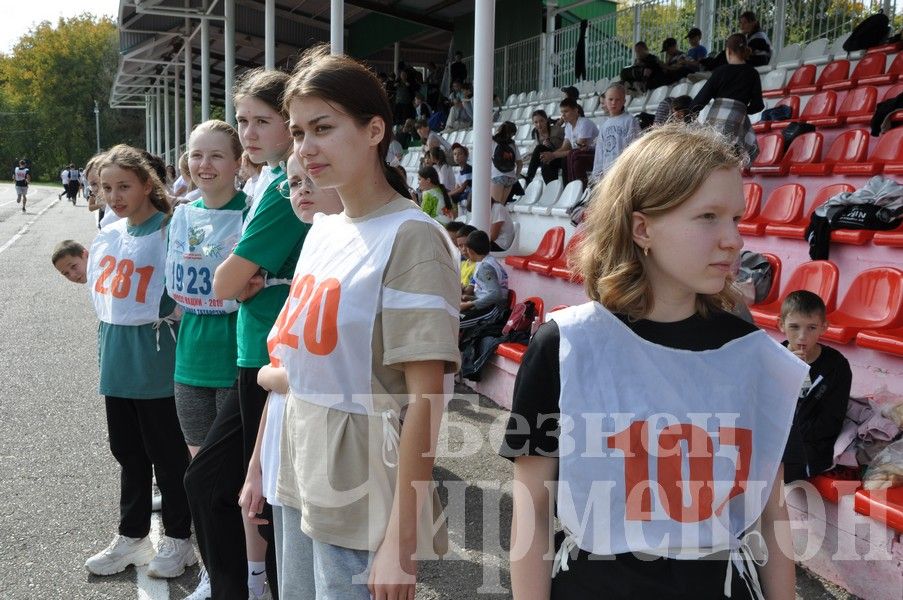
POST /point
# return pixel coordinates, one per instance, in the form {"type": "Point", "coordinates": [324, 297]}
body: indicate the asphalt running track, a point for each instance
{"type": "Point", "coordinates": [58, 482]}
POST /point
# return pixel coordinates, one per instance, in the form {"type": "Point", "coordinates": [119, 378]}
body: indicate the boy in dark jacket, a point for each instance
{"type": "Point", "coordinates": [823, 398]}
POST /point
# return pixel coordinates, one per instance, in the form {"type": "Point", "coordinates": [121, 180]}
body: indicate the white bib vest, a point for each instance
{"type": "Point", "coordinates": [199, 241]}
{"type": "Point", "coordinates": [665, 451]}
{"type": "Point", "coordinates": [126, 275]}
{"type": "Point", "coordinates": [336, 293]}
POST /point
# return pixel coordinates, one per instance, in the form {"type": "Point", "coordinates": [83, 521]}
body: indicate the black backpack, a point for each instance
{"type": "Point", "coordinates": [871, 32]}
{"type": "Point", "coordinates": [503, 157]}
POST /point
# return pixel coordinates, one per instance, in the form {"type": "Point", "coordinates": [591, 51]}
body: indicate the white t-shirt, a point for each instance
{"type": "Point", "coordinates": [64, 176]}
{"type": "Point", "coordinates": [495, 172]}
{"type": "Point", "coordinates": [108, 217]}
{"type": "Point", "coordinates": [446, 176]}
{"type": "Point", "coordinates": [614, 135]}
{"type": "Point", "coordinates": [499, 214]}
{"type": "Point", "coordinates": [433, 139]}
{"type": "Point", "coordinates": [395, 153]}
{"type": "Point", "coordinates": [581, 130]}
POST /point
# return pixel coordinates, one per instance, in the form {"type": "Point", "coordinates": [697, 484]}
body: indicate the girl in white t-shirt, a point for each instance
{"type": "Point", "coordinates": [260, 484]}
{"type": "Point", "coordinates": [673, 413]}
{"type": "Point", "coordinates": [367, 341]}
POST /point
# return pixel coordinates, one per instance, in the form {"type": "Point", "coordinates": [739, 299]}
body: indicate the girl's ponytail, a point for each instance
{"type": "Point", "coordinates": [398, 183]}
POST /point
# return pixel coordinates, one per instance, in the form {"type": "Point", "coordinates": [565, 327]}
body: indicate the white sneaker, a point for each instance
{"type": "Point", "coordinates": [156, 502]}
{"type": "Point", "coordinates": [172, 558]}
{"type": "Point", "coordinates": [122, 552]}
{"type": "Point", "coordinates": [202, 591]}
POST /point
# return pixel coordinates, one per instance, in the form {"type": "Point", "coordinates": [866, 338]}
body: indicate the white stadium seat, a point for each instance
{"type": "Point", "coordinates": [530, 197]}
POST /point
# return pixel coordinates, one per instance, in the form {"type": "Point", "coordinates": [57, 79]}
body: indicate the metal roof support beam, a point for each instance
{"type": "Point", "coordinates": [189, 91]}
{"type": "Point", "coordinates": [483, 65]}
{"type": "Point", "coordinates": [158, 123]}
{"type": "Point", "coordinates": [167, 157]}
{"type": "Point", "coordinates": [336, 27]}
{"type": "Point", "coordinates": [269, 34]}
{"type": "Point", "coordinates": [402, 14]}
{"type": "Point", "coordinates": [205, 70]}
{"type": "Point", "coordinates": [285, 14]}
{"type": "Point", "coordinates": [176, 113]}
{"type": "Point", "coordinates": [229, 32]}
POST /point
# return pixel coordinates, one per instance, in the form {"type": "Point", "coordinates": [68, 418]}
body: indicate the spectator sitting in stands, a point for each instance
{"type": "Point", "coordinates": [617, 130]}
{"type": "Point", "coordinates": [677, 64]}
{"type": "Point", "coordinates": [822, 403]}
{"type": "Point", "coordinates": [467, 265]}
{"type": "Point", "coordinates": [457, 90]}
{"type": "Point", "coordinates": [430, 138]}
{"type": "Point", "coordinates": [506, 162]}
{"type": "Point", "coordinates": [578, 148]}
{"type": "Point", "coordinates": [407, 134]}
{"type": "Point", "coordinates": [696, 51]}
{"type": "Point", "coordinates": [574, 94]}
{"type": "Point", "coordinates": [501, 228]}
{"type": "Point", "coordinates": [421, 108]}
{"type": "Point", "coordinates": [737, 80]}
{"type": "Point", "coordinates": [486, 299]}
{"type": "Point", "coordinates": [463, 177]}
{"type": "Point", "coordinates": [548, 138]}
{"type": "Point", "coordinates": [673, 109]}
{"type": "Point", "coordinates": [434, 198]}
{"type": "Point", "coordinates": [756, 39]}
{"type": "Point", "coordinates": [458, 116]}
{"type": "Point", "coordinates": [646, 72]}
{"type": "Point", "coordinates": [457, 69]}
{"type": "Point", "coordinates": [395, 153]}
{"type": "Point", "coordinates": [437, 159]}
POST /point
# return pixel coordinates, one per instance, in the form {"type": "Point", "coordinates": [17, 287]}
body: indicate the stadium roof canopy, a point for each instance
{"type": "Point", "coordinates": [154, 33]}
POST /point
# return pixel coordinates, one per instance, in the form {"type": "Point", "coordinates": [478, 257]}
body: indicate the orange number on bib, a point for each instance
{"type": "Point", "coordinates": [634, 443]}
{"type": "Point", "coordinates": [108, 263]}
{"type": "Point", "coordinates": [121, 284]}
{"type": "Point", "coordinates": [320, 329]}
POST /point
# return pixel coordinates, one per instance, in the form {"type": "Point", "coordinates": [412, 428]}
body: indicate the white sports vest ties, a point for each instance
{"type": "Point", "coordinates": [125, 275]}
{"type": "Point", "coordinates": [666, 451]}
{"type": "Point", "coordinates": [199, 241]}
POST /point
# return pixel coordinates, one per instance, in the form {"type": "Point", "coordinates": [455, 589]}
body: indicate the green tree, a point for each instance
{"type": "Point", "coordinates": [48, 86]}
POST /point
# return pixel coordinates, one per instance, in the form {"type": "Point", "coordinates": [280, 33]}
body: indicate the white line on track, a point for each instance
{"type": "Point", "coordinates": [151, 588]}
{"type": "Point", "coordinates": [25, 227]}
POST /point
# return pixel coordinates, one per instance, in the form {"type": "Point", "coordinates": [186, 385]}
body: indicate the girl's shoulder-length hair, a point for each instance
{"type": "Point", "coordinates": [655, 174]}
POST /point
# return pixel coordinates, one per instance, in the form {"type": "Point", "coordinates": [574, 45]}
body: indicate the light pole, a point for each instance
{"type": "Point", "coordinates": [97, 124]}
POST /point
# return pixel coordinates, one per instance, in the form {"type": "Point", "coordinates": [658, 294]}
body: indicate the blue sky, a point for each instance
{"type": "Point", "coordinates": [18, 22]}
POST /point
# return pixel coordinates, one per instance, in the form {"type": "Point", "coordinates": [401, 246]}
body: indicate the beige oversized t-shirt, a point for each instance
{"type": "Point", "coordinates": [332, 462]}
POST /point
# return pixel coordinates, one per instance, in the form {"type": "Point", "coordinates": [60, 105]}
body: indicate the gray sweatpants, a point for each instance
{"type": "Point", "coordinates": [309, 569]}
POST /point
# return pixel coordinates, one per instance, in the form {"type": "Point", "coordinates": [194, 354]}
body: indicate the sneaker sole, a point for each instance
{"type": "Point", "coordinates": [190, 561]}
{"type": "Point", "coordinates": [121, 566]}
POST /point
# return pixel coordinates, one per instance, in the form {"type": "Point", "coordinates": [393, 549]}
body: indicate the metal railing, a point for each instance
{"type": "Point", "coordinates": [610, 38]}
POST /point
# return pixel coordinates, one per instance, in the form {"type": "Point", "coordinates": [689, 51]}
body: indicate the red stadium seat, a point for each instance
{"type": "Point", "coordinates": [857, 107]}
{"type": "Point", "coordinates": [784, 205]}
{"type": "Point", "coordinates": [834, 72]}
{"type": "Point", "coordinates": [885, 506]}
{"type": "Point", "coordinates": [892, 92]}
{"type": "Point", "coordinates": [752, 194]}
{"type": "Point", "coordinates": [888, 48]}
{"type": "Point", "coordinates": [542, 264]}
{"type": "Point", "coordinates": [887, 157]}
{"type": "Point", "coordinates": [871, 65]}
{"type": "Point", "coordinates": [820, 107]}
{"type": "Point", "coordinates": [550, 248]}
{"type": "Point", "coordinates": [512, 298]}
{"type": "Point", "coordinates": [885, 340]}
{"type": "Point", "coordinates": [873, 301]}
{"type": "Point", "coordinates": [818, 276]}
{"type": "Point", "coordinates": [771, 149]}
{"type": "Point", "coordinates": [894, 71]}
{"type": "Point", "coordinates": [775, 263]}
{"type": "Point", "coordinates": [804, 149]}
{"type": "Point", "coordinates": [560, 266]}
{"type": "Point", "coordinates": [832, 487]}
{"type": "Point", "coordinates": [894, 238]}
{"type": "Point", "coordinates": [513, 350]}
{"type": "Point", "coordinates": [797, 229]}
{"type": "Point", "coordinates": [559, 307]}
{"type": "Point", "coordinates": [849, 147]}
{"type": "Point", "coordinates": [803, 77]}
{"type": "Point", "coordinates": [793, 102]}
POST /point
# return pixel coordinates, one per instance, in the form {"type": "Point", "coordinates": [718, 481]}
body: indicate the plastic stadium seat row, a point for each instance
{"type": "Point", "coordinates": [550, 247]}
{"type": "Point", "coordinates": [818, 276]}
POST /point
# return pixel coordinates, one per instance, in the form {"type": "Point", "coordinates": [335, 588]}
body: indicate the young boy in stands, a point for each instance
{"type": "Point", "coordinates": [617, 130]}
{"type": "Point", "coordinates": [467, 266]}
{"type": "Point", "coordinates": [823, 398]}
{"type": "Point", "coordinates": [486, 300]}
{"type": "Point", "coordinates": [71, 259]}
